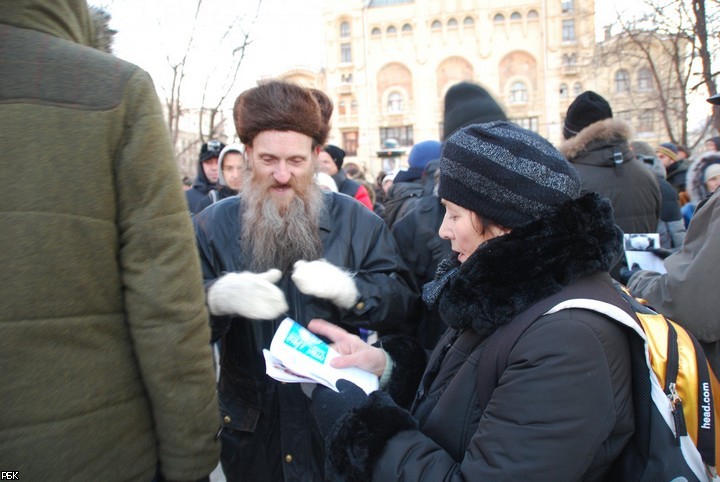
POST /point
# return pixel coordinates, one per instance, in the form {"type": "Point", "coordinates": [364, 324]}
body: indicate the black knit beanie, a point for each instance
{"type": "Point", "coordinates": [467, 103]}
{"type": "Point", "coordinates": [504, 173]}
{"type": "Point", "coordinates": [586, 109]}
{"type": "Point", "coordinates": [337, 154]}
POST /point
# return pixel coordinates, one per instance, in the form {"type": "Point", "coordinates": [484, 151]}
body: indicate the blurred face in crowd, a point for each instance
{"type": "Point", "coordinates": [666, 161]}
{"type": "Point", "coordinates": [710, 145]}
{"type": "Point", "coordinates": [465, 230]}
{"type": "Point", "coordinates": [712, 183]}
{"type": "Point", "coordinates": [232, 168]}
{"type": "Point", "coordinates": [326, 164]}
{"type": "Point", "coordinates": [210, 168]}
{"type": "Point", "coordinates": [283, 202]}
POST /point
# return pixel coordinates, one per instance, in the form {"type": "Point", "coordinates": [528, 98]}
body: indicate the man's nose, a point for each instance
{"type": "Point", "coordinates": [282, 174]}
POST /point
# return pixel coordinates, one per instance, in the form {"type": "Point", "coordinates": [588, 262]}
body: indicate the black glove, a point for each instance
{"type": "Point", "coordinates": [661, 253]}
{"type": "Point", "coordinates": [328, 406]}
{"type": "Point", "coordinates": [626, 274]}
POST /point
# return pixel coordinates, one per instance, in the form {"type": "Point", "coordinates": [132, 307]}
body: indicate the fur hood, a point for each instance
{"type": "Point", "coordinates": [510, 273]}
{"type": "Point", "coordinates": [601, 134]}
{"type": "Point", "coordinates": [694, 180]}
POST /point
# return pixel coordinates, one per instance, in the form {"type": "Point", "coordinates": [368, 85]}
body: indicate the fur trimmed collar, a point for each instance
{"type": "Point", "coordinates": [604, 132]}
{"type": "Point", "coordinates": [510, 273]}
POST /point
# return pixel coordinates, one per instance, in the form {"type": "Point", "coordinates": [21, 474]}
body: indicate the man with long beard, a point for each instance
{"type": "Point", "coordinates": [285, 248]}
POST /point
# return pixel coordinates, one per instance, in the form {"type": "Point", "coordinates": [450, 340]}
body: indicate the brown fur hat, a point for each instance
{"type": "Point", "coordinates": [282, 106]}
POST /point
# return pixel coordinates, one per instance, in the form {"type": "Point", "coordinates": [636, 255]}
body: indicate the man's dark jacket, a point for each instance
{"type": "Point", "coordinates": [353, 238]}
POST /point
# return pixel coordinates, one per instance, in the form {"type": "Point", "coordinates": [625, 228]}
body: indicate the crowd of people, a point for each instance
{"type": "Point", "coordinates": [117, 289]}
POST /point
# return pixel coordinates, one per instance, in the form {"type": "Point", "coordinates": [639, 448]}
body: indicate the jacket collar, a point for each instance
{"type": "Point", "coordinates": [508, 274]}
{"type": "Point", "coordinates": [602, 137]}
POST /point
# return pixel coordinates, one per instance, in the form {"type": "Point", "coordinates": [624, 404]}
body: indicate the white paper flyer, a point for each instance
{"type": "Point", "coordinates": [636, 251]}
{"type": "Point", "coordinates": [297, 355]}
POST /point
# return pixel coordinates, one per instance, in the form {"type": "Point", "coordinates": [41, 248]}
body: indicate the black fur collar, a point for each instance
{"type": "Point", "coordinates": [508, 274]}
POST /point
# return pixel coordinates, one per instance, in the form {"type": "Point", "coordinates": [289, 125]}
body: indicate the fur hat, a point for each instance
{"type": "Point", "coordinates": [467, 103]}
{"type": "Point", "coordinates": [424, 152]}
{"type": "Point", "coordinates": [669, 149]}
{"type": "Point", "coordinates": [504, 173]}
{"type": "Point", "coordinates": [586, 109]}
{"type": "Point", "coordinates": [337, 154]}
{"type": "Point", "coordinates": [282, 106]}
{"type": "Point", "coordinates": [210, 149]}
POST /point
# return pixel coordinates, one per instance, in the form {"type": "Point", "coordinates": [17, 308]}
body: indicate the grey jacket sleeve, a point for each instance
{"type": "Point", "coordinates": [682, 294]}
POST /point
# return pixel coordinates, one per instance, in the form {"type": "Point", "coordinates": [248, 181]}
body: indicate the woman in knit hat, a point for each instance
{"type": "Point", "coordinates": [559, 405]}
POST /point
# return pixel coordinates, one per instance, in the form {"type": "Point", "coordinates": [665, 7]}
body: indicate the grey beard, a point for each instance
{"type": "Point", "coordinates": [274, 239]}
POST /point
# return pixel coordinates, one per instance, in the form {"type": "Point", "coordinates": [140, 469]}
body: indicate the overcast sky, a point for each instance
{"type": "Point", "coordinates": [287, 34]}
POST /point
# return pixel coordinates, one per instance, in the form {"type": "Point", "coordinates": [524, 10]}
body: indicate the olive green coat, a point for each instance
{"type": "Point", "coordinates": [105, 365]}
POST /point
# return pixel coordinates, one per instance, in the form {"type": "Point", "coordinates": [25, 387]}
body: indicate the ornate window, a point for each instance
{"type": "Point", "coordinates": [577, 89]}
{"type": "Point", "coordinates": [533, 15]}
{"type": "Point", "coordinates": [468, 22]}
{"type": "Point", "coordinates": [407, 28]}
{"type": "Point", "coordinates": [499, 18]}
{"type": "Point", "coordinates": [452, 23]}
{"type": "Point", "coordinates": [395, 103]}
{"type": "Point", "coordinates": [376, 32]}
{"type": "Point", "coordinates": [391, 30]}
{"type": "Point", "coordinates": [345, 53]}
{"type": "Point", "coordinates": [436, 25]}
{"type": "Point", "coordinates": [344, 30]}
{"type": "Point", "coordinates": [518, 93]}
{"type": "Point", "coordinates": [515, 16]}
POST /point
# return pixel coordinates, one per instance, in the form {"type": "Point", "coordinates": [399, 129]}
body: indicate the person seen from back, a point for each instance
{"type": "Point", "coordinates": [107, 373]}
{"type": "Point", "coordinates": [598, 147]}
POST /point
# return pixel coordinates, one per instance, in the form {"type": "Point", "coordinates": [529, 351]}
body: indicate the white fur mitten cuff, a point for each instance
{"type": "Point", "coordinates": [252, 295]}
{"type": "Point", "coordinates": [325, 280]}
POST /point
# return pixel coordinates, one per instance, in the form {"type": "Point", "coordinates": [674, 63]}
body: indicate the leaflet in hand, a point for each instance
{"type": "Point", "coordinates": [296, 355]}
{"type": "Point", "coordinates": [637, 246]}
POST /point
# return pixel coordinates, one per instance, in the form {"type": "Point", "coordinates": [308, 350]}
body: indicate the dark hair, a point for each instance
{"type": "Point", "coordinates": [282, 106]}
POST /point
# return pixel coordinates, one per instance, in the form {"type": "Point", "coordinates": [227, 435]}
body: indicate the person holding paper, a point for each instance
{"type": "Point", "coordinates": [281, 248]}
{"type": "Point", "coordinates": [522, 234]}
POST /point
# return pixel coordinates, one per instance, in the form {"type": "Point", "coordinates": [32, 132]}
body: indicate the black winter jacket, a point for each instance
{"type": "Point", "coordinates": [423, 249]}
{"type": "Point", "coordinates": [196, 195]}
{"type": "Point", "coordinates": [353, 238]}
{"type": "Point", "coordinates": [562, 409]}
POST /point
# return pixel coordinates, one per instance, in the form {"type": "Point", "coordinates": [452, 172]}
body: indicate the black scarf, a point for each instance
{"type": "Point", "coordinates": [508, 274]}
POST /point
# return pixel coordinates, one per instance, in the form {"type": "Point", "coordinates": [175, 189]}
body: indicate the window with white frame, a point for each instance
{"type": "Point", "coordinates": [344, 30]}
{"type": "Point", "coordinates": [345, 53]}
{"type": "Point", "coordinates": [568, 30]}
{"type": "Point", "coordinates": [518, 93]}
{"type": "Point", "coordinates": [395, 103]}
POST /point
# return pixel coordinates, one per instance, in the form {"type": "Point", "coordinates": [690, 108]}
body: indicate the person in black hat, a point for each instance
{"type": "Point", "coordinates": [467, 103]}
{"type": "Point", "coordinates": [207, 175]}
{"type": "Point", "coordinates": [598, 147]}
{"type": "Point", "coordinates": [523, 236]}
{"type": "Point", "coordinates": [331, 159]}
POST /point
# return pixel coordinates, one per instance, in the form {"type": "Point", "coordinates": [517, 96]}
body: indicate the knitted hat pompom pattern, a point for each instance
{"type": "Point", "coordinates": [504, 173]}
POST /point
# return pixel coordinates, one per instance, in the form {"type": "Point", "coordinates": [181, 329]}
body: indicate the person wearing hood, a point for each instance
{"type": "Point", "coordinates": [207, 175]}
{"type": "Point", "coordinates": [598, 147]}
{"type": "Point", "coordinates": [524, 236]}
{"type": "Point", "coordinates": [701, 182]}
{"type": "Point", "coordinates": [331, 160]}
{"type": "Point", "coordinates": [231, 166]}
{"type": "Point", "coordinates": [107, 372]}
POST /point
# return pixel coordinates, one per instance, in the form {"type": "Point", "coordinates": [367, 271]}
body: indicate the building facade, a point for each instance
{"type": "Point", "coordinates": [390, 62]}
